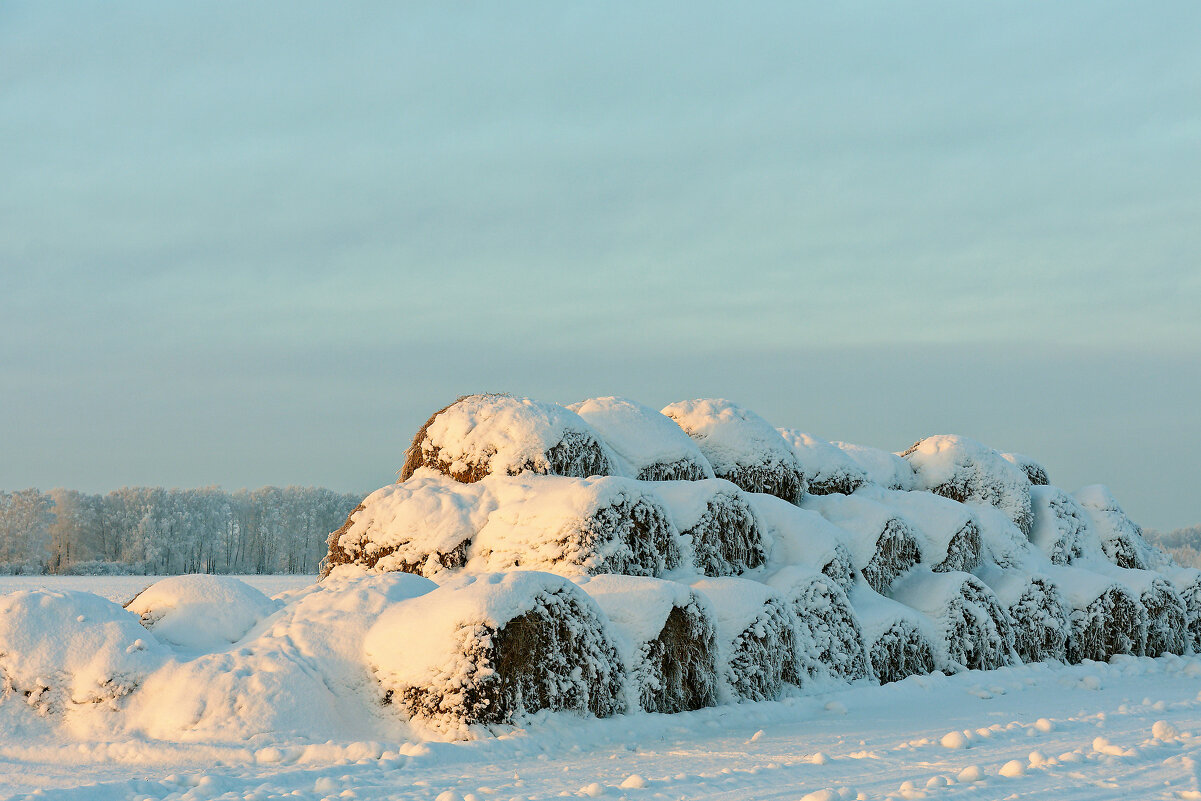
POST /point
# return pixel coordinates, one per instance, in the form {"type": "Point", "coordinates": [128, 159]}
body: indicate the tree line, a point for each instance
{"type": "Point", "coordinates": [157, 531]}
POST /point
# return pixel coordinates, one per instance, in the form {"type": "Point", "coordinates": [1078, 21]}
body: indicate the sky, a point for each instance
{"type": "Point", "coordinates": [258, 243]}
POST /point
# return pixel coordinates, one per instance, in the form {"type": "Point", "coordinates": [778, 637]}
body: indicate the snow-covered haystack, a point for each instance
{"type": "Point", "coordinates": [1120, 537]}
{"type": "Point", "coordinates": [482, 435]}
{"type": "Point", "coordinates": [975, 630]}
{"type": "Point", "coordinates": [1167, 622]}
{"type": "Point", "coordinates": [967, 471]}
{"type": "Point", "coordinates": [1187, 581]}
{"type": "Point", "coordinates": [651, 446]}
{"type": "Point", "coordinates": [667, 637]}
{"type": "Point", "coordinates": [575, 526]}
{"type": "Point", "coordinates": [949, 529]}
{"type": "Point", "coordinates": [1036, 474]}
{"type": "Point", "coordinates": [72, 650]}
{"type": "Point", "coordinates": [717, 516]}
{"type": "Point", "coordinates": [804, 537]}
{"type": "Point", "coordinates": [201, 611]}
{"type": "Point", "coordinates": [1002, 543]}
{"type": "Point", "coordinates": [423, 525]}
{"type": "Point", "coordinates": [754, 637]}
{"type": "Point", "coordinates": [882, 468]}
{"type": "Point", "coordinates": [741, 446]}
{"type": "Point", "coordinates": [883, 544]}
{"type": "Point", "coordinates": [1038, 611]}
{"type": "Point", "coordinates": [1061, 528]}
{"type": "Point", "coordinates": [828, 637]}
{"type": "Point", "coordinates": [1106, 616]}
{"type": "Point", "coordinates": [827, 467]}
{"type": "Point", "coordinates": [900, 640]}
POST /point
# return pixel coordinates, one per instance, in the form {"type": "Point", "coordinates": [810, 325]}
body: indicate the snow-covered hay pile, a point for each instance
{"type": "Point", "coordinates": [828, 637]}
{"type": "Point", "coordinates": [975, 630]}
{"type": "Point", "coordinates": [882, 543]}
{"type": "Point", "coordinates": [1167, 621]}
{"type": "Point", "coordinates": [716, 516]}
{"type": "Point", "coordinates": [1187, 581]}
{"type": "Point", "coordinates": [967, 471]}
{"type": "Point", "coordinates": [1036, 474]}
{"type": "Point", "coordinates": [1061, 527]}
{"type": "Point", "coordinates": [651, 446]}
{"type": "Point", "coordinates": [1106, 616]}
{"type": "Point", "coordinates": [804, 537]}
{"type": "Point", "coordinates": [827, 468]}
{"type": "Point", "coordinates": [950, 531]}
{"type": "Point", "coordinates": [900, 640]}
{"type": "Point", "coordinates": [1120, 538]}
{"type": "Point", "coordinates": [1038, 611]}
{"type": "Point", "coordinates": [201, 611]}
{"type": "Point", "coordinates": [884, 469]}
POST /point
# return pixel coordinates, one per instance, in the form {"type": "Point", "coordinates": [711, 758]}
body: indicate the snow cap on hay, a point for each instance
{"type": "Point", "coordinates": [1187, 581]}
{"type": "Point", "coordinates": [201, 611]}
{"type": "Point", "coordinates": [804, 537]}
{"type": "Point", "coordinates": [951, 535]}
{"type": "Point", "coordinates": [575, 526]}
{"type": "Point", "coordinates": [829, 639]}
{"type": "Point", "coordinates": [899, 639]}
{"type": "Point", "coordinates": [741, 446]}
{"type": "Point", "coordinates": [1061, 527]}
{"type": "Point", "coordinates": [1036, 607]}
{"type": "Point", "coordinates": [489, 648]}
{"type": "Point", "coordinates": [1035, 472]}
{"type": "Point", "coordinates": [827, 467]}
{"type": "Point", "coordinates": [1107, 617]}
{"type": "Point", "coordinates": [667, 637]}
{"type": "Point", "coordinates": [726, 534]}
{"type": "Point", "coordinates": [1002, 543]}
{"type": "Point", "coordinates": [967, 471]}
{"type": "Point", "coordinates": [976, 633]}
{"type": "Point", "coordinates": [651, 446]}
{"type": "Point", "coordinates": [883, 468]}
{"type": "Point", "coordinates": [480, 435]}
{"type": "Point", "coordinates": [882, 542]}
{"type": "Point", "coordinates": [1120, 537]}
{"type": "Point", "coordinates": [754, 636]}
{"type": "Point", "coordinates": [423, 525]}
{"type": "Point", "coordinates": [70, 649]}
{"type": "Point", "coordinates": [1167, 621]}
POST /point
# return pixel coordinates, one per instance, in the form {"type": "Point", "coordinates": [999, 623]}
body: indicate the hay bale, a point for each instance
{"type": "Point", "coordinates": [492, 648]}
{"type": "Point", "coordinates": [827, 468]}
{"type": "Point", "coordinates": [741, 446]}
{"type": "Point", "coordinates": [651, 446]}
{"type": "Point", "coordinates": [201, 612]}
{"type": "Point", "coordinates": [884, 469]}
{"type": "Point", "coordinates": [482, 435]}
{"type": "Point", "coordinates": [1187, 581]}
{"type": "Point", "coordinates": [828, 637]}
{"type": "Point", "coordinates": [754, 637]}
{"type": "Point", "coordinates": [1120, 538]}
{"type": "Point", "coordinates": [804, 537]}
{"type": "Point", "coordinates": [950, 533]}
{"type": "Point", "coordinates": [424, 525]}
{"type": "Point", "coordinates": [667, 638]}
{"type": "Point", "coordinates": [882, 543]}
{"type": "Point", "coordinates": [1062, 529]}
{"type": "Point", "coordinates": [575, 526]}
{"type": "Point", "coordinates": [899, 639]}
{"type": "Point", "coordinates": [975, 632]}
{"type": "Point", "coordinates": [717, 517]}
{"type": "Point", "coordinates": [1167, 618]}
{"type": "Point", "coordinates": [1106, 616]}
{"type": "Point", "coordinates": [1002, 543]}
{"type": "Point", "coordinates": [1036, 474]}
{"type": "Point", "coordinates": [1038, 611]}
{"type": "Point", "coordinates": [969, 472]}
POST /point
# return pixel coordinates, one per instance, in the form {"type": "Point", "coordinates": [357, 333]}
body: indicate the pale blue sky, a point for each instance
{"type": "Point", "coordinates": [257, 243]}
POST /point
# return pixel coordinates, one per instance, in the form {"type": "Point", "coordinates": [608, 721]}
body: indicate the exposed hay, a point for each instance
{"type": "Point", "coordinates": [899, 639]}
{"type": "Point", "coordinates": [976, 632]}
{"type": "Point", "coordinates": [1187, 581]}
{"type": "Point", "coordinates": [1061, 528]}
{"type": "Point", "coordinates": [882, 544]}
{"type": "Point", "coordinates": [897, 550]}
{"type": "Point", "coordinates": [678, 669]}
{"type": "Point", "coordinates": [840, 568]}
{"type": "Point", "coordinates": [963, 552]}
{"type": "Point", "coordinates": [827, 468]}
{"type": "Point", "coordinates": [1112, 622]}
{"type": "Point", "coordinates": [726, 534]}
{"type": "Point", "coordinates": [829, 639]}
{"type": "Point", "coordinates": [1167, 617]}
{"type": "Point", "coordinates": [679, 470]}
{"type": "Point", "coordinates": [1035, 472]}
{"type": "Point", "coordinates": [1038, 611]}
{"type": "Point", "coordinates": [650, 445]}
{"type": "Point", "coordinates": [423, 564]}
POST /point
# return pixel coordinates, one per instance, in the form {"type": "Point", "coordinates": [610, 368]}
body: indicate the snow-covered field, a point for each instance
{"type": "Point", "coordinates": [1128, 729]}
{"type": "Point", "coordinates": [120, 589]}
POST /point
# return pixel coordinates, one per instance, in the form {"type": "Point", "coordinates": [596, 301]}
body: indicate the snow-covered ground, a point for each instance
{"type": "Point", "coordinates": [1128, 729]}
{"type": "Point", "coordinates": [120, 589]}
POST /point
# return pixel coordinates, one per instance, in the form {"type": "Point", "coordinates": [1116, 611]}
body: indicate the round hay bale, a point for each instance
{"type": "Point", "coordinates": [951, 535]}
{"type": "Point", "coordinates": [201, 611]}
{"type": "Point", "coordinates": [741, 446]}
{"type": "Point", "coordinates": [1036, 474]}
{"type": "Point", "coordinates": [882, 543]}
{"type": "Point", "coordinates": [1167, 618]}
{"type": "Point", "coordinates": [1061, 529]}
{"type": "Point", "coordinates": [1120, 538]}
{"type": "Point", "coordinates": [575, 526]}
{"type": "Point", "coordinates": [1037, 609]}
{"type": "Point", "coordinates": [827, 468]}
{"type": "Point", "coordinates": [803, 537]}
{"type": "Point", "coordinates": [900, 640]}
{"type": "Point", "coordinates": [1106, 616]}
{"type": "Point", "coordinates": [492, 648]}
{"type": "Point", "coordinates": [975, 632]}
{"type": "Point", "coordinates": [651, 446]}
{"type": "Point", "coordinates": [754, 637]}
{"type": "Point", "coordinates": [424, 525]}
{"type": "Point", "coordinates": [717, 517]}
{"type": "Point", "coordinates": [884, 469]}
{"type": "Point", "coordinates": [667, 637]}
{"type": "Point", "coordinates": [969, 472]}
{"type": "Point", "coordinates": [1187, 581]}
{"type": "Point", "coordinates": [829, 639]}
{"type": "Point", "coordinates": [482, 435]}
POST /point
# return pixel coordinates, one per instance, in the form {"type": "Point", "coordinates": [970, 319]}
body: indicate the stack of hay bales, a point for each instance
{"type": "Point", "coordinates": [827, 467]}
{"type": "Point", "coordinates": [883, 544]}
{"type": "Point", "coordinates": [967, 471]}
{"type": "Point", "coordinates": [1061, 526]}
{"type": "Point", "coordinates": [651, 446]}
{"type": "Point", "coordinates": [949, 530]}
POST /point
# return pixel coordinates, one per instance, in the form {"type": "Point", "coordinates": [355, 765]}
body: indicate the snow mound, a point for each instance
{"type": "Point", "coordinates": [828, 637]}
{"type": "Point", "coordinates": [967, 471]}
{"type": "Point", "coordinates": [950, 533]}
{"type": "Point", "coordinates": [201, 612]}
{"type": "Point", "coordinates": [741, 446]}
{"type": "Point", "coordinates": [882, 468]}
{"type": "Point", "coordinates": [1036, 474]}
{"type": "Point", "coordinates": [1038, 610]}
{"type": "Point", "coordinates": [882, 543]}
{"type": "Point", "coordinates": [900, 640]}
{"type": "Point", "coordinates": [718, 518]}
{"type": "Point", "coordinates": [1121, 539]}
{"type": "Point", "coordinates": [976, 633]}
{"type": "Point", "coordinates": [1061, 528]}
{"type": "Point", "coordinates": [827, 467]}
{"type": "Point", "coordinates": [651, 446]}
{"type": "Point", "coordinates": [804, 537]}
{"type": "Point", "coordinates": [1002, 543]}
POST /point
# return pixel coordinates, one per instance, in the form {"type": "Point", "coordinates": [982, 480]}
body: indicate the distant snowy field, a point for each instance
{"type": "Point", "coordinates": [120, 589]}
{"type": "Point", "coordinates": [1128, 729]}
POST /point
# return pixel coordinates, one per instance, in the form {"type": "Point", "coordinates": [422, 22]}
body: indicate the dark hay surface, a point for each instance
{"type": "Point", "coordinates": [841, 483]}
{"type": "Point", "coordinates": [1115, 623]}
{"type": "Point", "coordinates": [977, 631]}
{"type": "Point", "coordinates": [727, 540]}
{"type": "Point", "coordinates": [648, 536]}
{"type": "Point", "coordinates": [340, 553]}
{"type": "Point", "coordinates": [762, 657]}
{"type": "Point", "coordinates": [1123, 551]}
{"type": "Point", "coordinates": [1036, 473]}
{"type": "Point", "coordinates": [829, 639]}
{"type": "Point", "coordinates": [900, 652]}
{"type": "Point", "coordinates": [1167, 621]}
{"type": "Point", "coordinates": [679, 667]}
{"type": "Point", "coordinates": [337, 555]}
{"type": "Point", "coordinates": [680, 470]}
{"type": "Point", "coordinates": [1040, 622]}
{"type": "Point", "coordinates": [897, 550]}
{"type": "Point", "coordinates": [840, 569]}
{"type": "Point", "coordinates": [780, 481]}
{"type": "Point", "coordinates": [1191, 595]}
{"type": "Point", "coordinates": [963, 552]}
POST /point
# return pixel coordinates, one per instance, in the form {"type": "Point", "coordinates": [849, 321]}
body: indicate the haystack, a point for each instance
{"type": "Point", "coordinates": [950, 533]}
{"type": "Point", "coordinates": [1038, 611]}
{"type": "Point", "coordinates": [716, 516]}
{"type": "Point", "coordinates": [900, 640]}
{"type": "Point", "coordinates": [884, 469]}
{"type": "Point", "coordinates": [883, 544]}
{"type": "Point", "coordinates": [494, 647]}
{"type": "Point", "coordinates": [667, 638]}
{"type": "Point", "coordinates": [482, 435]}
{"type": "Point", "coordinates": [969, 472]}
{"type": "Point", "coordinates": [754, 637]}
{"type": "Point", "coordinates": [827, 467]}
{"type": "Point", "coordinates": [1002, 543]}
{"type": "Point", "coordinates": [1187, 581]}
{"type": "Point", "coordinates": [1121, 539]}
{"type": "Point", "coordinates": [804, 537]}
{"type": "Point", "coordinates": [201, 611]}
{"type": "Point", "coordinates": [575, 526]}
{"type": "Point", "coordinates": [742, 447]}
{"type": "Point", "coordinates": [1106, 616]}
{"type": "Point", "coordinates": [1167, 617]}
{"type": "Point", "coordinates": [1035, 472]}
{"type": "Point", "coordinates": [829, 639]}
{"type": "Point", "coordinates": [975, 632]}
{"type": "Point", "coordinates": [651, 446]}
{"type": "Point", "coordinates": [424, 525]}
{"type": "Point", "coordinates": [1062, 528]}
